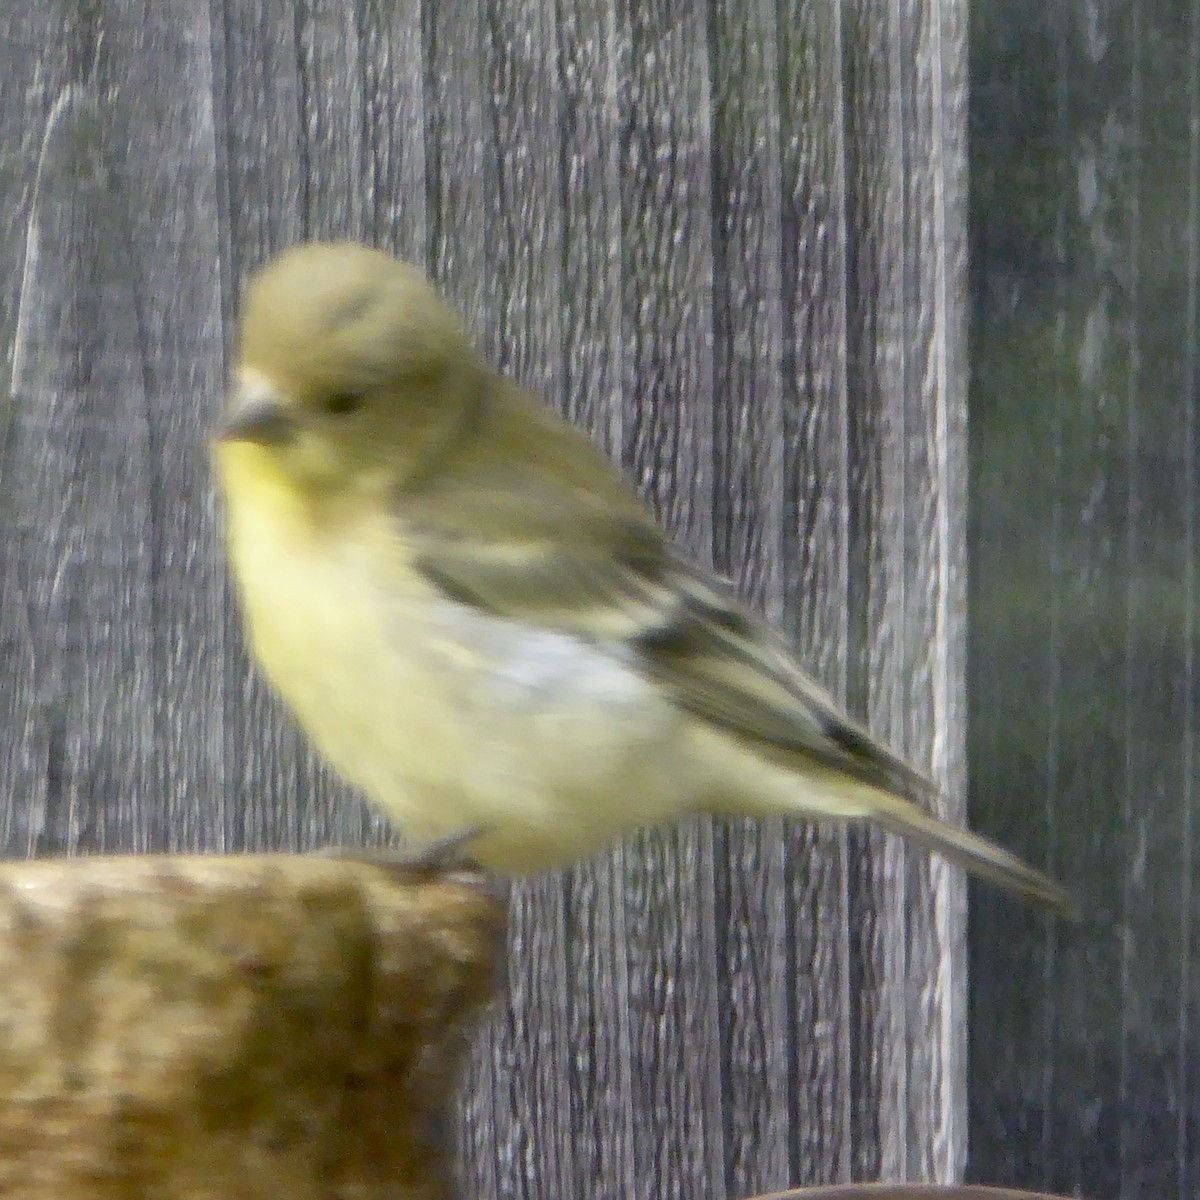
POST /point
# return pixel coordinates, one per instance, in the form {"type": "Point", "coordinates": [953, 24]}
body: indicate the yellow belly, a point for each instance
{"type": "Point", "coordinates": [447, 717]}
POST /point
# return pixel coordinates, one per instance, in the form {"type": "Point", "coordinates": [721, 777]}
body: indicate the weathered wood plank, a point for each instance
{"type": "Point", "coordinates": [933, 117]}
{"type": "Point", "coordinates": [159, 70]}
{"type": "Point", "coordinates": [273, 781]}
{"type": "Point", "coordinates": [523, 248]}
{"type": "Point", "coordinates": [748, 503]}
{"type": "Point", "coordinates": [876, 377]}
{"type": "Point", "coordinates": [667, 386]}
{"type": "Point", "coordinates": [28, 90]}
{"type": "Point", "coordinates": [119, 304]}
{"type": "Point", "coordinates": [460, 161]}
{"type": "Point", "coordinates": [815, 556]}
{"type": "Point", "coordinates": [692, 230]}
{"type": "Point", "coordinates": [77, 574]}
{"type": "Point", "coordinates": [599, 1081]}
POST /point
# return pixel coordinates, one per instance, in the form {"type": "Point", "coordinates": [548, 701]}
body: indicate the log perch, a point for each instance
{"type": "Point", "coordinates": [234, 1027]}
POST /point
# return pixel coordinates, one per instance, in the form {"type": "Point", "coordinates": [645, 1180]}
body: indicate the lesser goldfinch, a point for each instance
{"type": "Point", "coordinates": [477, 621]}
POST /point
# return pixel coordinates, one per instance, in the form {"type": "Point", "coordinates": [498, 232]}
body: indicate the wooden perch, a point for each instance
{"type": "Point", "coordinates": [242, 1027]}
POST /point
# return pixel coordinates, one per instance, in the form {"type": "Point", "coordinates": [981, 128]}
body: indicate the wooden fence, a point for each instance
{"type": "Point", "coordinates": [726, 238]}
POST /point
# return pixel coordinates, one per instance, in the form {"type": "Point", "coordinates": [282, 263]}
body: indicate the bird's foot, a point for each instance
{"type": "Point", "coordinates": [435, 860]}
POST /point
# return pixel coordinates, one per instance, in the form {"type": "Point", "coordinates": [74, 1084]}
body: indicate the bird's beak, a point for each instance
{"type": "Point", "coordinates": [262, 419]}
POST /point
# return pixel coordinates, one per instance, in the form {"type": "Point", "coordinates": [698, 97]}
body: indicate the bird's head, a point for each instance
{"type": "Point", "coordinates": [351, 370]}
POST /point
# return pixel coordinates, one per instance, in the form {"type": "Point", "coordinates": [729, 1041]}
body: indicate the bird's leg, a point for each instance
{"type": "Point", "coordinates": [441, 857]}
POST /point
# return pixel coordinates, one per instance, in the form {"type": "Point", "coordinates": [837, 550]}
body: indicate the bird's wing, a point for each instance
{"type": "Point", "coordinates": [563, 561]}
{"type": "Point", "coordinates": [559, 558]}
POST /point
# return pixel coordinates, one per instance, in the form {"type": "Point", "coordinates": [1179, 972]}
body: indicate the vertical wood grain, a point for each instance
{"type": "Point", "coordinates": [116, 310]}
{"type": "Point", "coordinates": [29, 99]}
{"type": "Point", "coordinates": [78, 571]}
{"type": "Point", "coordinates": [160, 69]}
{"type": "Point", "coordinates": [933, 120]}
{"type": "Point", "coordinates": [523, 253]}
{"type": "Point", "coordinates": [875, 171]}
{"type": "Point", "coordinates": [273, 779]}
{"type": "Point", "coordinates": [666, 307]}
{"type": "Point", "coordinates": [460, 163]}
{"type": "Point", "coordinates": [600, 1104]}
{"type": "Point", "coordinates": [392, 59]}
{"type": "Point", "coordinates": [815, 557]}
{"type": "Point", "coordinates": [721, 238]}
{"type": "Point", "coordinates": [748, 513]}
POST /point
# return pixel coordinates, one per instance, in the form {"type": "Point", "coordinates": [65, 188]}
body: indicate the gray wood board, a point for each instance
{"type": "Point", "coordinates": [725, 239]}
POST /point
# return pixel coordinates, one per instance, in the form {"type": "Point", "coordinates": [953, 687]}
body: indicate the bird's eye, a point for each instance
{"type": "Point", "coordinates": [342, 403]}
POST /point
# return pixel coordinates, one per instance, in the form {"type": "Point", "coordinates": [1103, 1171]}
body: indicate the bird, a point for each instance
{"type": "Point", "coordinates": [479, 623]}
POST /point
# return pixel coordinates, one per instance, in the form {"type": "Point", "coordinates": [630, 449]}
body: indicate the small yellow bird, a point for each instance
{"type": "Point", "coordinates": [477, 621]}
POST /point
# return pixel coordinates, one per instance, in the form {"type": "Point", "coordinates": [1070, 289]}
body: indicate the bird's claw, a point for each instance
{"type": "Point", "coordinates": [438, 859]}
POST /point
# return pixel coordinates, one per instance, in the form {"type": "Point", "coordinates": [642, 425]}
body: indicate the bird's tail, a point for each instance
{"type": "Point", "coordinates": [971, 852]}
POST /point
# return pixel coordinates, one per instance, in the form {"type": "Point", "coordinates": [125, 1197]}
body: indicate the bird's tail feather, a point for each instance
{"type": "Point", "coordinates": [971, 852]}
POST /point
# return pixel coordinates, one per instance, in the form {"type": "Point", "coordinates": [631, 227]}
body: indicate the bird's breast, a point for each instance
{"type": "Point", "coordinates": [446, 715]}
